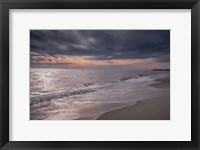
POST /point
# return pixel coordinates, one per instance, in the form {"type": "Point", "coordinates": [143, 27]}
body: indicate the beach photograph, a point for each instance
{"type": "Point", "coordinates": [99, 74]}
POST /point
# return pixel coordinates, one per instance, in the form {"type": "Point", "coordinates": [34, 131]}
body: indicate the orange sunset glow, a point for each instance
{"type": "Point", "coordinates": [75, 49]}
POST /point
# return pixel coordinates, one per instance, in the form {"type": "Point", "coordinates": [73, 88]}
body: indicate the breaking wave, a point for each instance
{"type": "Point", "coordinates": [90, 87]}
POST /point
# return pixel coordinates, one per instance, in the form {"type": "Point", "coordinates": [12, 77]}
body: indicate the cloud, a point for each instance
{"type": "Point", "coordinates": [108, 45]}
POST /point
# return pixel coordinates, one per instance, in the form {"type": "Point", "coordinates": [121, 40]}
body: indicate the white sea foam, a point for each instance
{"type": "Point", "coordinates": [72, 94]}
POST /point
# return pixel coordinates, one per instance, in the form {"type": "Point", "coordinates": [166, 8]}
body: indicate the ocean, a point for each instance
{"type": "Point", "coordinates": [85, 94]}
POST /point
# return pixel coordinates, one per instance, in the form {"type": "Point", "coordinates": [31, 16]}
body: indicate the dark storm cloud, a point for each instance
{"type": "Point", "coordinates": [102, 44]}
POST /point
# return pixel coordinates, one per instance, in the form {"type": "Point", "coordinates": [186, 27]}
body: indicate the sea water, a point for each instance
{"type": "Point", "coordinates": [68, 94]}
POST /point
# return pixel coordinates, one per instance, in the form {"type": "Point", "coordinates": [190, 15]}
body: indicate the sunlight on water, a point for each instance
{"type": "Point", "coordinates": [86, 94]}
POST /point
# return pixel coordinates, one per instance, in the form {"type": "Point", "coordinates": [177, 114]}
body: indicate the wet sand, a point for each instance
{"type": "Point", "coordinates": [161, 83]}
{"type": "Point", "coordinates": [152, 109]}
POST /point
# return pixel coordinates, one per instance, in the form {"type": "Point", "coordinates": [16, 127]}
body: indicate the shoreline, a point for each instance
{"type": "Point", "coordinates": [150, 109]}
{"type": "Point", "coordinates": [161, 83]}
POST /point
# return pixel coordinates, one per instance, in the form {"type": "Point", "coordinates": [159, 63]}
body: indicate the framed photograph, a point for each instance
{"type": "Point", "coordinates": [99, 74]}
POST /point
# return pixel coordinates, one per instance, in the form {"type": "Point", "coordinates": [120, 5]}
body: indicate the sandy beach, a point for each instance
{"type": "Point", "coordinates": [109, 74]}
{"type": "Point", "coordinates": [152, 109]}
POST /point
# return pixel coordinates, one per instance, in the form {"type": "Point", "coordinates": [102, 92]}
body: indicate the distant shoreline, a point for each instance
{"type": "Point", "coordinates": [161, 70]}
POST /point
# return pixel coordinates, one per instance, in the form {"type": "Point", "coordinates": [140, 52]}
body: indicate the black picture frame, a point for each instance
{"type": "Point", "coordinates": [5, 5]}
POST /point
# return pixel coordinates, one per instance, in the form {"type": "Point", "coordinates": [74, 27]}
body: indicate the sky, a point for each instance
{"type": "Point", "coordinates": [146, 49]}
